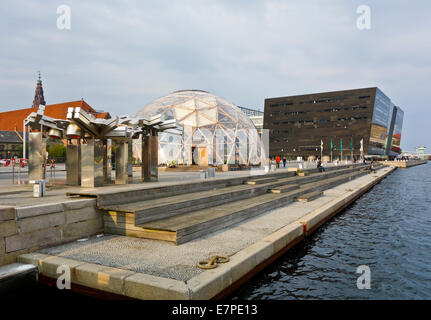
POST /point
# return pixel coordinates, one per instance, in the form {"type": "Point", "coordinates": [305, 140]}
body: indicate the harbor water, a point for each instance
{"type": "Point", "coordinates": [387, 229]}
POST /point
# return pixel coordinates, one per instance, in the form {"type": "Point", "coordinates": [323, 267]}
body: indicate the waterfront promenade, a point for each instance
{"type": "Point", "coordinates": [404, 163]}
{"type": "Point", "coordinates": [153, 269]}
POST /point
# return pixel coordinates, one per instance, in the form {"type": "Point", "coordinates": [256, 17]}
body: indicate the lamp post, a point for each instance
{"type": "Point", "coordinates": [341, 148]}
{"type": "Point", "coordinates": [24, 141]}
{"type": "Point", "coordinates": [332, 147]}
{"type": "Point", "coordinates": [321, 149]}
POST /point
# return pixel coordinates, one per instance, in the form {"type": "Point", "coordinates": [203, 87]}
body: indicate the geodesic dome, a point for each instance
{"type": "Point", "coordinates": [214, 130]}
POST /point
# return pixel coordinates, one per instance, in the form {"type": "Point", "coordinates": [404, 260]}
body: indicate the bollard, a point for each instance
{"type": "Point", "coordinates": [39, 188]}
{"type": "Point", "coordinates": [211, 172]}
{"type": "Point", "coordinates": [13, 171]}
{"type": "Point", "coordinates": [203, 174]}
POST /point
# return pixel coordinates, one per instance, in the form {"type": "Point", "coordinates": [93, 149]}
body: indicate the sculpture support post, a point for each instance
{"type": "Point", "coordinates": [36, 156]}
{"type": "Point", "coordinates": [92, 163]}
{"type": "Point", "coordinates": [150, 158]}
{"type": "Point", "coordinates": [73, 162]}
{"type": "Point", "coordinates": [121, 160]}
{"type": "Point", "coordinates": [107, 162]}
{"type": "Point", "coordinates": [130, 161]}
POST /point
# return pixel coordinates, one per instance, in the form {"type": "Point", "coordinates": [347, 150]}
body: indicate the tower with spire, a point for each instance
{"type": "Point", "coordinates": [38, 95]}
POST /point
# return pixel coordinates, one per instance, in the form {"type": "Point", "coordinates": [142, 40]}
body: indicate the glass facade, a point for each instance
{"type": "Point", "coordinates": [380, 124]}
{"type": "Point", "coordinates": [255, 116]}
{"type": "Point", "coordinates": [396, 135]}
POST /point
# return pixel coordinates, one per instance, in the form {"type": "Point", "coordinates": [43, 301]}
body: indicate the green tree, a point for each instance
{"type": "Point", "coordinates": [57, 150]}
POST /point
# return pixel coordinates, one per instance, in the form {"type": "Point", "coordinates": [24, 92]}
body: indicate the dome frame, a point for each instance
{"type": "Point", "coordinates": [215, 131]}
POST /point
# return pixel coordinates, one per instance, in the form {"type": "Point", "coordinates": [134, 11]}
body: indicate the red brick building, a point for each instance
{"type": "Point", "coordinates": [13, 120]}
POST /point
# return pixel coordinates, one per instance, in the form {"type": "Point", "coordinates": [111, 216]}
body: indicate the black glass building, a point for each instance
{"type": "Point", "coordinates": [299, 124]}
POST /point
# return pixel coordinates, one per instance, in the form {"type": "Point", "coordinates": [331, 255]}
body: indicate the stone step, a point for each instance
{"type": "Point", "coordinates": [310, 196]}
{"type": "Point", "coordinates": [146, 211]}
{"type": "Point", "coordinates": [302, 173]}
{"type": "Point", "coordinates": [285, 188]}
{"type": "Point", "coordinates": [196, 224]}
{"type": "Point", "coordinates": [112, 196]}
{"type": "Point", "coordinates": [129, 195]}
{"type": "Point", "coordinates": [261, 180]}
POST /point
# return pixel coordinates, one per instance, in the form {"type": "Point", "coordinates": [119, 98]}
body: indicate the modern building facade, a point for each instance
{"type": "Point", "coordinates": [256, 116]}
{"type": "Point", "coordinates": [336, 122]}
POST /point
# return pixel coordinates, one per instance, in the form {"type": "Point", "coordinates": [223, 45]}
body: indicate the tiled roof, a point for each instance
{"type": "Point", "coordinates": [9, 137]}
{"type": "Point", "coordinates": [103, 115]}
{"type": "Point", "coordinates": [11, 120]}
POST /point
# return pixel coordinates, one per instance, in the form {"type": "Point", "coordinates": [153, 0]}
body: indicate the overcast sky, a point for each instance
{"type": "Point", "coordinates": [120, 55]}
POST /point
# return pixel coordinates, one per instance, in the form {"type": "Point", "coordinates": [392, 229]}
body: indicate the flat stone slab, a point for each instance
{"type": "Point", "coordinates": [12, 270]}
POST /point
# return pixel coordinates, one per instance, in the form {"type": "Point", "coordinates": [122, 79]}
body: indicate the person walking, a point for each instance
{"type": "Point", "coordinates": [277, 161]}
{"type": "Point", "coordinates": [284, 162]}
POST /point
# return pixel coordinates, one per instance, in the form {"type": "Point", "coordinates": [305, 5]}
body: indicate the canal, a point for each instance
{"type": "Point", "coordinates": [388, 230]}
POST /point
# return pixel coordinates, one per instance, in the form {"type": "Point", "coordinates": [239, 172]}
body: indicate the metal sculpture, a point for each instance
{"type": "Point", "coordinates": [89, 140]}
{"type": "Point", "coordinates": [40, 127]}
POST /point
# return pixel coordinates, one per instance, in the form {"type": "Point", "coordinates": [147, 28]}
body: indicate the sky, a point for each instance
{"type": "Point", "coordinates": [120, 55]}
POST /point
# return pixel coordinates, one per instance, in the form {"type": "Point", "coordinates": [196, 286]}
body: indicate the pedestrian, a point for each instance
{"type": "Point", "coordinates": [284, 162]}
{"type": "Point", "coordinates": [372, 169]}
{"type": "Point", "coordinates": [277, 160]}
{"type": "Point", "coordinates": [319, 166]}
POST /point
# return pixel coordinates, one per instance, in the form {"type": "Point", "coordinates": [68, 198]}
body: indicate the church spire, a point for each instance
{"type": "Point", "coordinates": [38, 96]}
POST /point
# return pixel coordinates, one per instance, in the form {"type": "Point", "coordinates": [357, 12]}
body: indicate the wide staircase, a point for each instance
{"type": "Point", "coordinates": [181, 213]}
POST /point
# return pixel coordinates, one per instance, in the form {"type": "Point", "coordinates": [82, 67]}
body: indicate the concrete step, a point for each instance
{"type": "Point", "coordinates": [196, 224]}
{"type": "Point", "coordinates": [146, 211]}
{"type": "Point", "coordinates": [310, 196]}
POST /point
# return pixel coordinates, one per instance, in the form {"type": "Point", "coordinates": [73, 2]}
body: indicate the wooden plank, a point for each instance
{"type": "Point", "coordinates": [117, 217]}
{"type": "Point", "coordinates": [144, 233]}
{"type": "Point", "coordinates": [261, 181]}
{"type": "Point", "coordinates": [286, 188]}
{"type": "Point", "coordinates": [126, 226]}
{"type": "Point", "coordinates": [310, 196]}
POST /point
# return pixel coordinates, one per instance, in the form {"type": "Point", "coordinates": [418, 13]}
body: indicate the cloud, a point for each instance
{"type": "Point", "coordinates": [120, 55]}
